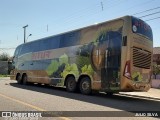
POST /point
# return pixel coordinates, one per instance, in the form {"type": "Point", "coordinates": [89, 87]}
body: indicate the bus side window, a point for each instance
{"type": "Point", "coordinates": [55, 42]}
{"type": "Point", "coordinates": [124, 43]}
{"type": "Point", "coordinates": [70, 39]}
{"type": "Point", "coordinates": [26, 49]}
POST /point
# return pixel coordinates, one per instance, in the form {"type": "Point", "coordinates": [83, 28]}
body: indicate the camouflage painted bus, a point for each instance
{"type": "Point", "coordinates": [112, 56]}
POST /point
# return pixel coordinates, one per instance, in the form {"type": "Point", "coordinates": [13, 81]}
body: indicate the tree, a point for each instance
{"type": "Point", "coordinates": [4, 57]}
{"type": "Point", "coordinates": [156, 70]}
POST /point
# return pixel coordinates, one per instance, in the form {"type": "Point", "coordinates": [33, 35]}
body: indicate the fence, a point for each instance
{"type": "Point", "coordinates": [4, 67]}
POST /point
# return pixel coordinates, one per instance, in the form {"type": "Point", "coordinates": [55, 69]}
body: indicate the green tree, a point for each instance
{"type": "Point", "coordinates": [4, 57]}
{"type": "Point", "coordinates": [156, 70]}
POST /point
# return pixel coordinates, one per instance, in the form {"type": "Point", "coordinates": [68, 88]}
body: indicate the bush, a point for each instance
{"type": "Point", "coordinates": [4, 57]}
{"type": "Point", "coordinates": [156, 70]}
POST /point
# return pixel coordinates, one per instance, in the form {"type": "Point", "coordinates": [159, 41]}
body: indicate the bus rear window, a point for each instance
{"type": "Point", "coordinates": [140, 27]}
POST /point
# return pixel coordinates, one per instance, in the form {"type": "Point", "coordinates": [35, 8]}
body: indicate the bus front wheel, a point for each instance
{"type": "Point", "coordinates": [85, 86]}
{"type": "Point", "coordinates": [71, 84]}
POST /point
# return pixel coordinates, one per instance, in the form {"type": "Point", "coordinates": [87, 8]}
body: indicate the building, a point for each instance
{"type": "Point", "coordinates": [156, 55]}
{"type": "Point", "coordinates": [156, 60]}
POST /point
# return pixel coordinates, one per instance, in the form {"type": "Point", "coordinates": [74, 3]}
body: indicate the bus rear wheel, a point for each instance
{"type": "Point", "coordinates": [24, 79]}
{"type": "Point", "coordinates": [85, 86]}
{"type": "Point", "coordinates": [71, 84]}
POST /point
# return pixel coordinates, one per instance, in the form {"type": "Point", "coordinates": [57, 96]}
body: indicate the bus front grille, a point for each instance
{"type": "Point", "coordinates": [141, 58]}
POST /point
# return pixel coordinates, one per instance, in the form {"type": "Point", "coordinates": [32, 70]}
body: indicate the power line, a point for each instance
{"type": "Point", "coordinates": [150, 14]}
{"type": "Point", "coordinates": [146, 11]}
{"type": "Point", "coordinates": [135, 5]}
{"type": "Point", "coordinates": [92, 10]}
{"type": "Point", "coordinates": [79, 16]}
{"type": "Point", "coordinates": [152, 19]}
{"type": "Point", "coordinates": [84, 11]}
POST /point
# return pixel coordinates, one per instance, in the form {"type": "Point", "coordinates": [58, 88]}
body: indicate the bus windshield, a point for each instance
{"type": "Point", "coordinates": [140, 27]}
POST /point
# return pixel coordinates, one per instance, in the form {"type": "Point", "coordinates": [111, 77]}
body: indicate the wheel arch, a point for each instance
{"type": "Point", "coordinates": [18, 74]}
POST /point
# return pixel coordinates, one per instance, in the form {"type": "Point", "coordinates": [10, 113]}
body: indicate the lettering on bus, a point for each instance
{"type": "Point", "coordinates": [41, 55]}
{"type": "Point", "coordinates": [141, 24]}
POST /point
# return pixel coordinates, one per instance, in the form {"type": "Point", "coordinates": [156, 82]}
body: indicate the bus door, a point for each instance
{"type": "Point", "coordinates": [110, 74]}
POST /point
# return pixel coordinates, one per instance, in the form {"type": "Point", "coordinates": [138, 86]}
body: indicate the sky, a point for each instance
{"type": "Point", "coordinates": [50, 17]}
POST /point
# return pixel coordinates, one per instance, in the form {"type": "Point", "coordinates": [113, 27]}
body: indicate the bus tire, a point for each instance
{"type": "Point", "coordinates": [109, 93]}
{"type": "Point", "coordinates": [85, 86]}
{"type": "Point", "coordinates": [71, 84]}
{"type": "Point", "coordinates": [24, 79]}
{"type": "Point", "coordinates": [18, 78]}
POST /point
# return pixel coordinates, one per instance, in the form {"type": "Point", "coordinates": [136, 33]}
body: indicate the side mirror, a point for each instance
{"type": "Point", "coordinates": [13, 67]}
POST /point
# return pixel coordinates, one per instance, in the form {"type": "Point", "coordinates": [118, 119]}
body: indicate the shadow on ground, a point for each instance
{"type": "Point", "coordinates": [117, 101]}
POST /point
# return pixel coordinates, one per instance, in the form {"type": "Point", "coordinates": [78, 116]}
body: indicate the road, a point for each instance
{"type": "Point", "coordinates": [15, 97]}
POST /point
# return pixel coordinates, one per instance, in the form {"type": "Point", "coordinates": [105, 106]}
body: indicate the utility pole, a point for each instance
{"type": "Point", "coordinates": [25, 33]}
{"type": "Point", "coordinates": [102, 5]}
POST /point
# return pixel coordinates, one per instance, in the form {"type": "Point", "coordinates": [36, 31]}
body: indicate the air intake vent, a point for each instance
{"type": "Point", "coordinates": [141, 58]}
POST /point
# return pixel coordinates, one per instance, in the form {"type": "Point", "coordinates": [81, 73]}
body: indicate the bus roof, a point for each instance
{"type": "Point", "coordinates": [77, 29]}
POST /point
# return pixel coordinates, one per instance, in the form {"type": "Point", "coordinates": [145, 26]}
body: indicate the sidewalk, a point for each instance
{"type": "Point", "coordinates": [152, 93]}
{"type": "Point", "coordinates": [4, 78]}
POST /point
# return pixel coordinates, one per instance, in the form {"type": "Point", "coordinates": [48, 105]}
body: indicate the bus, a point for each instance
{"type": "Point", "coordinates": [112, 56]}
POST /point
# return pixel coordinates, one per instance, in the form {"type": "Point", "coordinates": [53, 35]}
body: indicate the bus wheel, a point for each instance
{"type": "Point", "coordinates": [71, 84]}
{"type": "Point", "coordinates": [85, 86]}
{"type": "Point", "coordinates": [24, 79]}
{"type": "Point", "coordinates": [19, 80]}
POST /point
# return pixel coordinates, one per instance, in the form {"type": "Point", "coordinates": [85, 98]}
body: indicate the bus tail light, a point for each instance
{"type": "Point", "coordinates": [127, 70]}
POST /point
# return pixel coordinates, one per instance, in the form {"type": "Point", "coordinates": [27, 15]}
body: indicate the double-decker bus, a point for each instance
{"type": "Point", "coordinates": [111, 56]}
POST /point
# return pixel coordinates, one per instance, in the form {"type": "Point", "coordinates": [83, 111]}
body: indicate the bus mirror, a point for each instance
{"type": "Point", "coordinates": [12, 67]}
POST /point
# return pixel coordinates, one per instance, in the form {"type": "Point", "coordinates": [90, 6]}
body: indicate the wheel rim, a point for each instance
{"type": "Point", "coordinates": [71, 84]}
{"type": "Point", "coordinates": [85, 85]}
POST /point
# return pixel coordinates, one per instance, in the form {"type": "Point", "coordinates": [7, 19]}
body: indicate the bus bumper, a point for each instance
{"type": "Point", "coordinates": [141, 87]}
{"type": "Point", "coordinates": [131, 86]}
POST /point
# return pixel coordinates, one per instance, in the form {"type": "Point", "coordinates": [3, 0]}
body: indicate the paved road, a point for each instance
{"type": "Point", "coordinates": [15, 97]}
